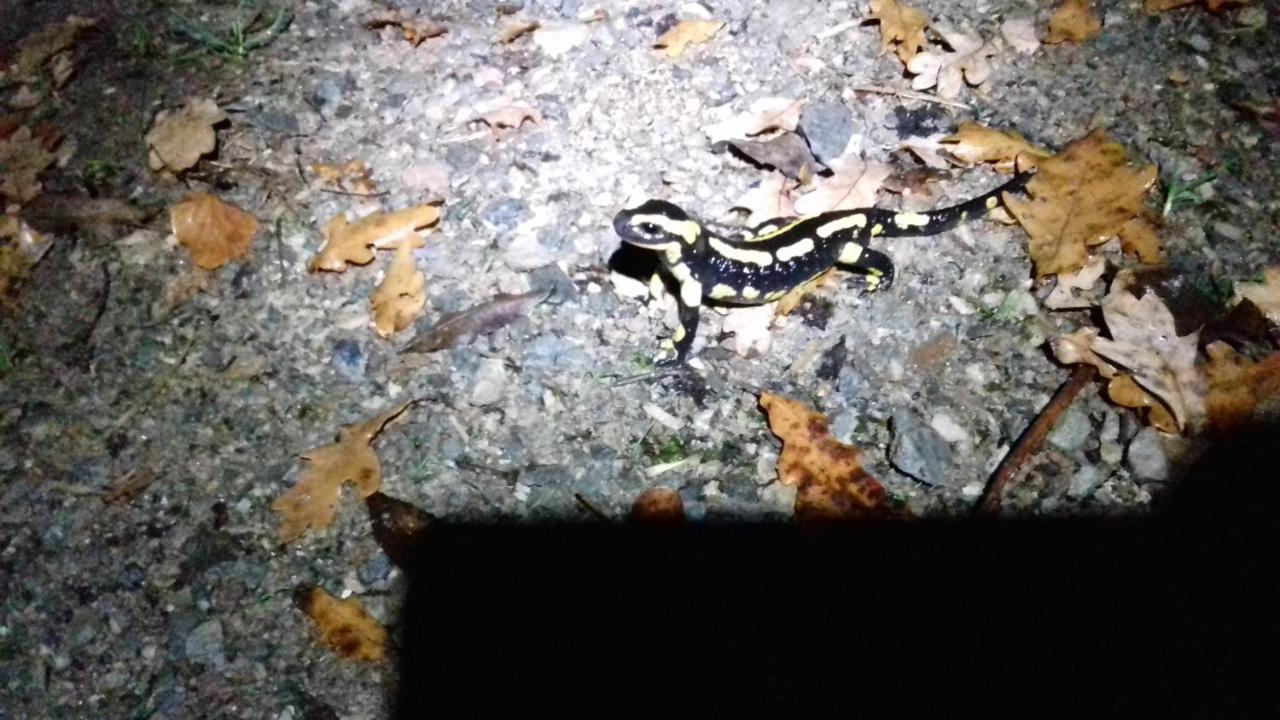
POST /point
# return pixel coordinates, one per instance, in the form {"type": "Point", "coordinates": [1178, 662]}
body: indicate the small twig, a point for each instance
{"type": "Point", "coordinates": [464, 138]}
{"type": "Point", "coordinates": [97, 316]}
{"type": "Point", "coordinates": [279, 251]}
{"type": "Point", "coordinates": [1031, 440]}
{"type": "Point", "coordinates": [908, 95]}
{"type": "Point", "coordinates": [648, 375]}
{"type": "Point", "coordinates": [586, 505]}
{"type": "Point", "coordinates": [336, 191]}
{"type": "Point", "coordinates": [837, 29]}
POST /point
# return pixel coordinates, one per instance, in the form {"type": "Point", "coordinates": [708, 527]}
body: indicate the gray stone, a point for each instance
{"type": "Point", "coordinates": [828, 127]}
{"type": "Point", "coordinates": [328, 90]}
{"type": "Point", "coordinates": [1200, 43]}
{"type": "Point", "coordinates": [843, 424]}
{"type": "Point", "coordinates": [505, 214]}
{"type": "Point", "coordinates": [1084, 481]}
{"type": "Point", "coordinates": [491, 382]}
{"type": "Point", "coordinates": [1147, 457]}
{"type": "Point", "coordinates": [205, 644]}
{"type": "Point", "coordinates": [552, 351]}
{"type": "Point", "coordinates": [348, 359]}
{"type": "Point", "coordinates": [1072, 430]}
{"type": "Point", "coordinates": [540, 475]}
{"type": "Point", "coordinates": [919, 451]}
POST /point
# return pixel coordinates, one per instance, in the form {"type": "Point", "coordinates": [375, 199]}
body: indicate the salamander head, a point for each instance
{"type": "Point", "coordinates": [656, 224]}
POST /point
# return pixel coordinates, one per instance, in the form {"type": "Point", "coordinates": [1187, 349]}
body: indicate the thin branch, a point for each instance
{"type": "Point", "coordinates": [1031, 440]}
{"type": "Point", "coordinates": [591, 508]}
{"type": "Point", "coordinates": [908, 95]}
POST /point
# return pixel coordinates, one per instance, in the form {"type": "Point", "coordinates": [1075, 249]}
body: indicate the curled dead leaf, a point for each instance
{"type": "Point", "coordinates": [179, 138]}
{"type": "Point", "coordinates": [968, 62]}
{"type": "Point", "coordinates": [414, 29]}
{"type": "Point", "coordinates": [1074, 21]}
{"type": "Point", "coordinates": [344, 625]}
{"type": "Point", "coordinates": [1138, 237]}
{"type": "Point", "coordinates": [853, 184]}
{"type": "Point", "coordinates": [901, 26]}
{"type": "Point", "coordinates": [214, 232]}
{"type": "Point", "coordinates": [973, 144]}
{"type": "Point", "coordinates": [515, 29]}
{"type": "Point", "coordinates": [401, 295]}
{"type": "Point", "coordinates": [354, 242]}
{"type": "Point", "coordinates": [769, 199]}
{"type": "Point", "coordinates": [1063, 296]}
{"type": "Point", "coordinates": [353, 177]}
{"type": "Point", "coordinates": [1124, 392]}
{"type": "Point", "coordinates": [460, 328]}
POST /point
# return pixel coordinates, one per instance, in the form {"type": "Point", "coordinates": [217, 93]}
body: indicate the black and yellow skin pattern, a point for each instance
{"type": "Point", "coordinates": [764, 263]}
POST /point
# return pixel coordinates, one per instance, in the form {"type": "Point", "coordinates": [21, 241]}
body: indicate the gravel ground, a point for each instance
{"type": "Point", "coordinates": [175, 602]}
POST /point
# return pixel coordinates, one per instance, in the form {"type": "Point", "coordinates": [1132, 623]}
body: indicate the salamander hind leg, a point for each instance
{"type": "Point", "coordinates": [873, 264]}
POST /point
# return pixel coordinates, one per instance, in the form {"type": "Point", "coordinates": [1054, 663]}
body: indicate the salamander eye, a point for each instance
{"type": "Point", "coordinates": [648, 228]}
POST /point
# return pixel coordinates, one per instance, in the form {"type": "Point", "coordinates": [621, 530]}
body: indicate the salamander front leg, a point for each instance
{"type": "Point", "coordinates": [682, 340]}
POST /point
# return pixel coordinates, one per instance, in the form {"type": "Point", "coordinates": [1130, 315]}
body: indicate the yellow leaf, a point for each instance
{"type": "Point", "coordinates": [1082, 197]}
{"type": "Point", "coordinates": [401, 295]}
{"type": "Point", "coordinates": [1265, 294]}
{"type": "Point", "coordinates": [1074, 20]}
{"type": "Point", "coordinates": [974, 144]}
{"type": "Point", "coordinates": [1125, 392]}
{"type": "Point", "coordinates": [313, 500]}
{"type": "Point", "coordinates": [345, 626]}
{"type": "Point", "coordinates": [1137, 237]}
{"type": "Point", "coordinates": [353, 242]}
{"type": "Point", "coordinates": [831, 483]}
{"type": "Point", "coordinates": [900, 25]}
{"type": "Point", "coordinates": [178, 138]}
{"type": "Point", "coordinates": [686, 33]}
{"type": "Point", "coordinates": [212, 230]}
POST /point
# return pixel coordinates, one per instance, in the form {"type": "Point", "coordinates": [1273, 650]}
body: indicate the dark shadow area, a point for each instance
{"type": "Point", "coordinates": [1170, 614]}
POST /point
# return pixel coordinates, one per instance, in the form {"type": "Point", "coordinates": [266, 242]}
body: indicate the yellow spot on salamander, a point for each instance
{"type": "Point", "coordinates": [850, 253]}
{"type": "Point", "coordinates": [796, 249]}
{"type": "Point", "coordinates": [876, 229]}
{"type": "Point", "coordinates": [733, 252]}
{"type": "Point", "coordinates": [678, 335]}
{"type": "Point", "coordinates": [681, 272]}
{"type": "Point", "coordinates": [686, 230]}
{"type": "Point", "coordinates": [775, 295]}
{"type": "Point", "coordinates": [750, 293]}
{"type": "Point", "coordinates": [910, 219]}
{"type": "Point", "coordinates": [691, 293]}
{"type": "Point", "coordinates": [853, 221]}
{"type": "Point", "coordinates": [991, 203]}
{"type": "Point", "coordinates": [720, 291]}
{"type": "Point", "coordinates": [771, 230]}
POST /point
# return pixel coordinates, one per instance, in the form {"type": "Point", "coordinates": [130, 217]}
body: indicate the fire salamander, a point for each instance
{"type": "Point", "coordinates": [764, 263]}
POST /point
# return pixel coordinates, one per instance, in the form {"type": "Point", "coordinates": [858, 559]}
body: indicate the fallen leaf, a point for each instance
{"type": "Point", "coordinates": [1077, 347]}
{"type": "Point", "coordinates": [354, 177]}
{"type": "Point", "coordinates": [213, 231]}
{"type": "Point", "coordinates": [1063, 296]}
{"type": "Point", "coordinates": [1125, 392]}
{"type": "Point", "coordinates": [1079, 198]}
{"type": "Point", "coordinates": [399, 527]}
{"type": "Point", "coordinates": [509, 118]}
{"type": "Point", "coordinates": [658, 506]}
{"type": "Point", "coordinates": [414, 29]}
{"type": "Point", "coordinates": [353, 242]}
{"type": "Point", "coordinates": [915, 181]}
{"type": "Point", "coordinates": [514, 29]}
{"type": "Point", "coordinates": [1265, 294]}
{"type": "Point", "coordinates": [21, 248]}
{"type": "Point", "coordinates": [931, 151]}
{"type": "Point", "coordinates": [767, 200]}
{"type": "Point", "coordinates": [61, 69]}
{"type": "Point", "coordinates": [313, 500]}
{"type": "Point", "coordinates": [1145, 341]}
{"type": "Point", "coordinates": [830, 481]}
{"type": "Point", "coordinates": [23, 156]}
{"type": "Point", "coordinates": [973, 144]}
{"type": "Point", "coordinates": [179, 138]}
{"type": "Point", "coordinates": [794, 297]}
{"type": "Point", "coordinates": [344, 625]}
{"type": "Point", "coordinates": [1238, 386]}
{"type": "Point", "coordinates": [686, 33]}
{"type": "Point", "coordinates": [1138, 237]}
{"type": "Point", "coordinates": [1074, 20]}
{"type": "Point", "coordinates": [853, 184]}
{"type": "Point", "coordinates": [786, 152]}
{"type": "Point", "coordinates": [750, 328]}
{"type": "Point", "coordinates": [968, 62]}
{"type": "Point", "coordinates": [1021, 35]}
{"type": "Point", "coordinates": [46, 42]}
{"type": "Point", "coordinates": [764, 115]}
{"type": "Point", "coordinates": [401, 295]}
{"type": "Point", "coordinates": [900, 25]}
{"type": "Point", "coordinates": [460, 328]}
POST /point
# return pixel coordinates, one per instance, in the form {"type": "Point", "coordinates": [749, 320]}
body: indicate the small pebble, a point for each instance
{"type": "Point", "coordinates": [919, 451]}
{"type": "Point", "coordinates": [1147, 457]}
{"type": "Point", "coordinates": [1072, 430]}
{"type": "Point", "coordinates": [348, 359]}
{"type": "Point", "coordinates": [490, 383]}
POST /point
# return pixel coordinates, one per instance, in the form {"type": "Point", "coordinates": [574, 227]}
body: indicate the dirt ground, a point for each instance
{"type": "Point", "coordinates": [125, 364]}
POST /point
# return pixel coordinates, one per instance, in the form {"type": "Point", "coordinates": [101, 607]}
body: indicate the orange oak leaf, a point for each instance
{"type": "Point", "coordinates": [1265, 294]}
{"type": "Point", "coordinates": [900, 25]}
{"type": "Point", "coordinates": [686, 33]}
{"type": "Point", "coordinates": [973, 144]}
{"type": "Point", "coordinates": [344, 625]}
{"type": "Point", "coordinates": [313, 500]}
{"type": "Point", "coordinates": [831, 483]}
{"type": "Point", "coordinates": [401, 295]}
{"type": "Point", "coordinates": [1074, 20]}
{"type": "Point", "coordinates": [354, 177]}
{"type": "Point", "coordinates": [354, 242]}
{"type": "Point", "coordinates": [213, 231]}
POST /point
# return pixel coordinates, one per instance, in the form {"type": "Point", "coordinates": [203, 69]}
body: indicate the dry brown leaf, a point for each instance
{"type": "Point", "coordinates": [1265, 294]}
{"type": "Point", "coordinates": [900, 25]}
{"type": "Point", "coordinates": [968, 62]}
{"type": "Point", "coordinates": [211, 230]}
{"type": "Point", "coordinates": [1138, 237]}
{"type": "Point", "coordinates": [414, 29]}
{"type": "Point", "coordinates": [769, 199]}
{"type": "Point", "coordinates": [401, 295]}
{"type": "Point", "coordinates": [1158, 6]}
{"type": "Point", "coordinates": [47, 42]}
{"type": "Point", "coordinates": [461, 327]}
{"type": "Point", "coordinates": [1074, 20]}
{"type": "Point", "coordinates": [786, 152]}
{"type": "Point", "coordinates": [749, 326]}
{"type": "Point", "coordinates": [1062, 297]}
{"type": "Point", "coordinates": [1077, 347]}
{"type": "Point", "coordinates": [853, 184]}
{"type": "Point", "coordinates": [973, 144]}
{"type": "Point", "coordinates": [354, 177]}
{"type": "Point", "coordinates": [354, 242]}
{"type": "Point", "coordinates": [514, 29]}
{"type": "Point", "coordinates": [21, 248]}
{"type": "Point", "coordinates": [1238, 386]}
{"type": "Point", "coordinates": [1079, 198]}
{"type": "Point", "coordinates": [313, 500]}
{"type": "Point", "coordinates": [345, 626]}
{"type": "Point", "coordinates": [794, 297]}
{"type": "Point", "coordinates": [1125, 392]}
{"type": "Point", "coordinates": [178, 138]}
{"type": "Point", "coordinates": [764, 115]}
{"type": "Point", "coordinates": [686, 33]}
{"type": "Point", "coordinates": [658, 506]}
{"type": "Point", "coordinates": [1145, 342]}
{"type": "Point", "coordinates": [830, 481]}
{"type": "Point", "coordinates": [23, 156]}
